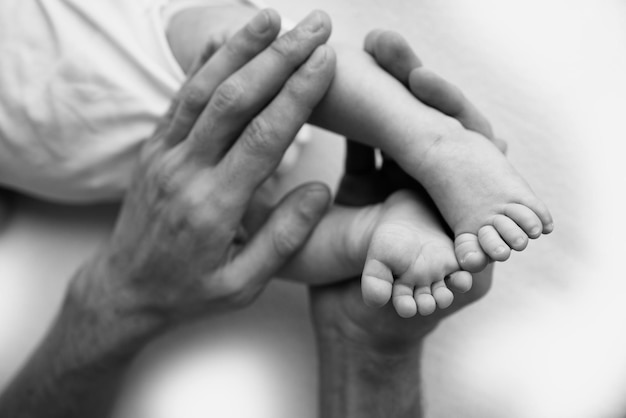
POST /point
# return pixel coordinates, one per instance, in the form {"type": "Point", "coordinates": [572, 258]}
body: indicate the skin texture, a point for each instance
{"type": "Point", "coordinates": [179, 250]}
{"type": "Point", "coordinates": [437, 140]}
{"type": "Point", "coordinates": [370, 359]}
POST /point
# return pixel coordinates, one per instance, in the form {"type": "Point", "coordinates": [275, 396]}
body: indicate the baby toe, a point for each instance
{"type": "Point", "coordinates": [491, 242]}
{"type": "Point", "coordinates": [525, 218]}
{"type": "Point", "coordinates": [424, 300]}
{"type": "Point", "coordinates": [544, 215]}
{"type": "Point", "coordinates": [510, 232]}
{"type": "Point", "coordinates": [403, 301]}
{"type": "Point", "coordinates": [442, 295]}
{"type": "Point", "coordinates": [469, 253]}
{"type": "Point", "coordinates": [460, 281]}
{"type": "Point", "coordinates": [376, 283]}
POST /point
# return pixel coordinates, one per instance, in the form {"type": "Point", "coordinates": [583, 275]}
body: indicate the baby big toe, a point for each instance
{"type": "Point", "coordinates": [376, 283]}
{"type": "Point", "coordinates": [491, 242]}
{"type": "Point", "coordinates": [469, 254]}
{"type": "Point", "coordinates": [510, 232]}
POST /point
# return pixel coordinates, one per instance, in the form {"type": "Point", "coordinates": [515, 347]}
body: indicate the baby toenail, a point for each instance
{"type": "Point", "coordinates": [535, 231]}
{"type": "Point", "coordinates": [520, 241]}
{"type": "Point", "coordinates": [467, 256]}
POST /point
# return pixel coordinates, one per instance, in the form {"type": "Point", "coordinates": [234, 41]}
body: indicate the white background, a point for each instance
{"type": "Point", "coordinates": [548, 341]}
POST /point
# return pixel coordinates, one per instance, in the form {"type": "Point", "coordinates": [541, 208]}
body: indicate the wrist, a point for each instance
{"type": "Point", "coordinates": [78, 368]}
{"type": "Point", "coordinates": [100, 291]}
{"type": "Point", "coordinates": [396, 347]}
{"type": "Point", "coordinates": [358, 381]}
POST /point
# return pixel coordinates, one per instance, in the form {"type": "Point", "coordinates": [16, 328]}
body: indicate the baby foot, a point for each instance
{"type": "Point", "coordinates": [487, 204]}
{"type": "Point", "coordinates": [408, 259]}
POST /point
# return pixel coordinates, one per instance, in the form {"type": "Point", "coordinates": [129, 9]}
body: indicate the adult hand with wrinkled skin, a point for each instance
{"type": "Point", "coordinates": [180, 249]}
{"type": "Point", "coordinates": [195, 181]}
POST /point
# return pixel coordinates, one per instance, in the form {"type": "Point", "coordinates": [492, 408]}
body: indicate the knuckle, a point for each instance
{"type": "Point", "coordinates": [227, 98]}
{"type": "Point", "coordinates": [164, 175]}
{"type": "Point", "coordinates": [207, 210]}
{"type": "Point", "coordinates": [298, 86]}
{"type": "Point", "coordinates": [286, 46]}
{"type": "Point", "coordinates": [303, 92]}
{"type": "Point", "coordinates": [238, 48]}
{"type": "Point", "coordinates": [284, 242]}
{"type": "Point", "coordinates": [193, 99]}
{"type": "Point", "coordinates": [259, 136]}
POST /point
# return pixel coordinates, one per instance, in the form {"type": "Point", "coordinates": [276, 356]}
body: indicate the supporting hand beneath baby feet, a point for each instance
{"type": "Point", "coordinates": [372, 351]}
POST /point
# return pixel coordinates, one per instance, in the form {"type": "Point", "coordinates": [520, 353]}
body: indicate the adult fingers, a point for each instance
{"type": "Point", "coordinates": [360, 159]}
{"type": "Point", "coordinates": [259, 149]}
{"type": "Point", "coordinates": [238, 50]}
{"type": "Point", "coordinates": [284, 233]}
{"type": "Point", "coordinates": [244, 94]}
{"type": "Point", "coordinates": [392, 52]}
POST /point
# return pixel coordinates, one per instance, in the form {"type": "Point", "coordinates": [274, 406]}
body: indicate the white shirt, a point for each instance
{"type": "Point", "coordinates": [82, 84]}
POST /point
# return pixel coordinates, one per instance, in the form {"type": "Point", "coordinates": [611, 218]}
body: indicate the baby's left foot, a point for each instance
{"type": "Point", "coordinates": [408, 259]}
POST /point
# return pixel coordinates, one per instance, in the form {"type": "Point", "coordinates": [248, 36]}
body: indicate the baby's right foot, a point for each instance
{"type": "Point", "coordinates": [409, 257]}
{"type": "Point", "coordinates": [488, 205]}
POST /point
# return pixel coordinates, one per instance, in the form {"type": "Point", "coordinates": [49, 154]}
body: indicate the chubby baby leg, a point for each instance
{"type": "Point", "coordinates": [409, 258]}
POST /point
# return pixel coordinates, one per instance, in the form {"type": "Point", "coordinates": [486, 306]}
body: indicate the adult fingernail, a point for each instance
{"type": "Point", "coordinates": [317, 58]}
{"type": "Point", "coordinates": [261, 23]}
{"type": "Point", "coordinates": [313, 21]}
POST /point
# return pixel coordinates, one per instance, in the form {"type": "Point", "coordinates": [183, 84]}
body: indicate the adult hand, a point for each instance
{"type": "Point", "coordinates": [179, 248]}
{"type": "Point", "coordinates": [374, 352]}
{"type": "Point", "coordinates": [393, 53]}
{"type": "Point", "coordinates": [204, 28]}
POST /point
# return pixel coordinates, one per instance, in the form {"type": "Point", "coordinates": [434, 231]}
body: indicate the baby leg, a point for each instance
{"type": "Point", "coordinates": [409, 258]}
